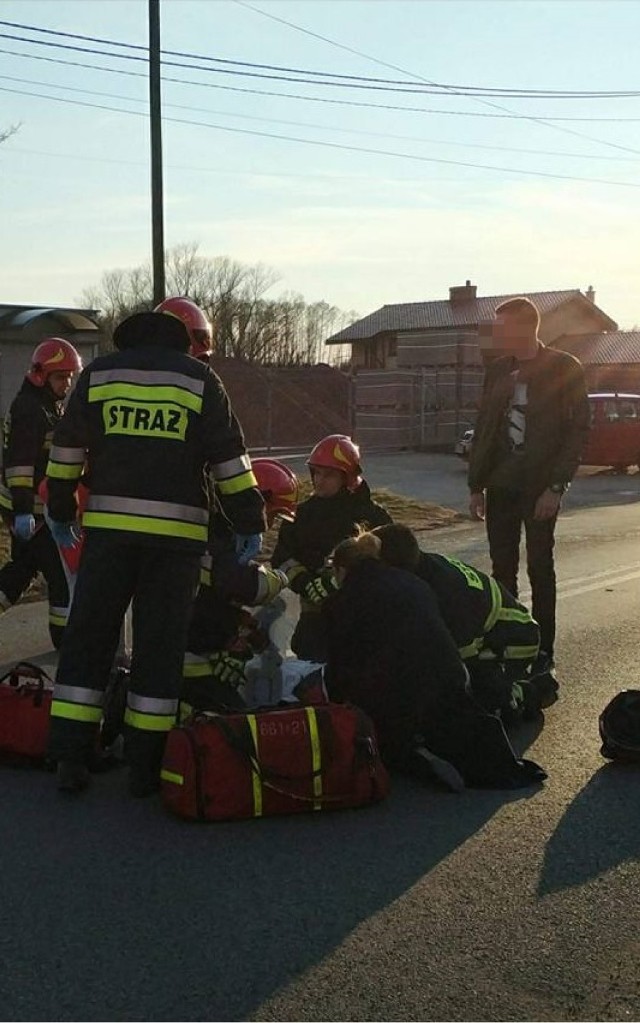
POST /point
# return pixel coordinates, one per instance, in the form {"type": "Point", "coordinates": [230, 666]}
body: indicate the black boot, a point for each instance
{"type": "Point", "coordinates": [73, 776]}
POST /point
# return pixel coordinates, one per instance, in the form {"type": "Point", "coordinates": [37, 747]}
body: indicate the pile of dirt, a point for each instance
{"type": "Point", "coordinates": [286, 407]}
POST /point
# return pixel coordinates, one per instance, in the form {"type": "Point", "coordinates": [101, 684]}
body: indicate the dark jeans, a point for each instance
{"type": "Point", "coordinates": [506, 513]}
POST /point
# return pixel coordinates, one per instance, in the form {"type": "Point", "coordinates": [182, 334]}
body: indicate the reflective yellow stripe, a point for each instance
{"type": "Point", "coordinates": [149, 722]}
{"type": "Point", "coordinates": [487, 655]}
{"type": "Point", "coordinates": [205, 577]}
{"type": "Point", "coordinates": [316, 754]}
{"type": "Point", "coordinates": [75, 711]}
{"type": "Point", "coordinates": [512, 614]}
{"type": "Point", "coordinates": [144, 524]}
{"type": "Point", "coordinates": [63, 471]}
{"type": "Point", "coordinates": [20, 481]}
{"type": "Point", "coordinates": [496, 604]}
{"type": "Point", "coordinates": [57, 619]}
{"type": "Point", "coordinates": [521, 653]}
{"type": "Point", "coordinates": [237, 483]}
{"type": "Point", "coordinates": [471, 650]}
{"type": "Point", "coordinates": [175, 779]}
{"type": "Point", "coordinates": [152, 393]}
{"type": "Point", "coordinates": [196, 670]}
{"type": "Point", "coordinates": [5, 502]}
{"type": "Point", "coordinates": [255, 777]}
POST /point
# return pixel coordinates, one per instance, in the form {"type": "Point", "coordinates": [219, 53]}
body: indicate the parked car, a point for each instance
{"type": "Point", "coordinates": [614, 438]}
{"type": "Point", "coordinates": [463, 446]}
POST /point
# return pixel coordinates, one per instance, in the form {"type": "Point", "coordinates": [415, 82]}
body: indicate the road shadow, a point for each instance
{"type": "Point", "coordinates": [113, 910]}
{"type": "Point", "coordinates": [599, 830]}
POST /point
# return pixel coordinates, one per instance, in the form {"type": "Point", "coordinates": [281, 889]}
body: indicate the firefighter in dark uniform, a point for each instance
{"type": "Point", "coordinates": [391, 653]}
{"type": "Point", "coordinates": [151, 423]}
{"type": "Point", "coordinates": [28, 429]}
{"type": "Point", "coordinates": [341, 501]}
{"type": "Point", "coordinates": [496, 636]}
{"type": "Point", "coordinates": [223, 634]}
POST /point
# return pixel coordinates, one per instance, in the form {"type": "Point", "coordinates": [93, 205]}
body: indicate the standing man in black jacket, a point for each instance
{"type": "Point", "coordinates": [531, 428]}
{"type": "Point", "coordinates": [146, 425]}
{"type": "Point", "coordinates": [28, 429]}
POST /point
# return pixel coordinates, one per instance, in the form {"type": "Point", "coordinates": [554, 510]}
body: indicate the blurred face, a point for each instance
{"type": "Point", "coordinates": [326, 482]}
{"type": "Point", "coordinates": [60, 382]}
{"type": "Point", "coordinates": [514, 334]}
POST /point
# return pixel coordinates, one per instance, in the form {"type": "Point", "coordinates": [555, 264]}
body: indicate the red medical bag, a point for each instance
{"type": "Point", "coordinates": [276, 761]}
{"type": "Point", "coordinates": [25, 702]}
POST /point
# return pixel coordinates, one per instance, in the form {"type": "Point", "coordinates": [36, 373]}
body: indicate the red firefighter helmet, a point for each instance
{"type": "Point", "coordinates": [279, 487]}
{"type": "Point", "coordinates": [338, 451]}
{"type": "Point", "coordinates": [53, 355]}
{"type": "Point", "coordinates": [195, 321]}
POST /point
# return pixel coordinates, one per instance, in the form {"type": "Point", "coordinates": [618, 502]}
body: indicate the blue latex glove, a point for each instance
{"type": "Point", "coordinates": [247, 546]}
{"type": "Point", "coordinates": [65, 534]}
{"type": "Point", "coordinates": [24, 526]}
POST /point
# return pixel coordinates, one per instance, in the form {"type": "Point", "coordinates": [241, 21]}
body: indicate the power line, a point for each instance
{"type": "Point", "coordinates": [413, 74]}
{"type": "Point", "coordinates": [447, 88]}
{"type": "Point", "coordinates": [323, 127]}
{"type": "Point", "coordinates": [333, 145]}
{"type": "Point", "coordinates": [310, 99]}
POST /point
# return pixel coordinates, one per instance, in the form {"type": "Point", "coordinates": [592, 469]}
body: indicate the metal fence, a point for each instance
{"type": "Point", "coordinates": [421, 407]}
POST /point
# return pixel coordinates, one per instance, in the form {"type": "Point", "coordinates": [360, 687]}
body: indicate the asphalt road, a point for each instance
{"type": "Point", "coordinates": [431, 906]}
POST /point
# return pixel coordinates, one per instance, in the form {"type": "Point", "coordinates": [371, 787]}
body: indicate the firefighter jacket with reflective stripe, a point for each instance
{"type": "Point", "coordinates": [28, 430]}
{"type": "Point", "coordinates": [147, 425]}
{"type": "Point", "coordinates": [481, 615]}
{"type": "Point", "coordinates": [320, 523]}
{"type": "Point", "coordinates": [226, 585]}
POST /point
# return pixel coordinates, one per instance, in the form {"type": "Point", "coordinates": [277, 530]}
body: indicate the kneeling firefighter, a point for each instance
{"type": "Point", "coordinates": [223, 635]}
{"type": "Point", "coordinates": [496, 636]}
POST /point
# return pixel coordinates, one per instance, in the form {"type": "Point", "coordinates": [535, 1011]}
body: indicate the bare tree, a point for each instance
{"type": "Point", "coordinates": [6, 133]}
{"type": "Point", "coordinates": [246, 323]}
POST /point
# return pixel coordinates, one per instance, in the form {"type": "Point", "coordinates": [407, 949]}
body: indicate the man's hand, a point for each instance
{"type": "Point", "coordinates": [547, 505]}
{"type": "Point", "coordinates": [65, 534]}
{"type": "Point", "coordinates": [24, 526]}
{"type": "Point", "coordinates": [476, 506]}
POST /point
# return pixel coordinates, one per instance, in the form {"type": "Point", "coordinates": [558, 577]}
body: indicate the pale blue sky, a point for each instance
{"type": "Point", "coordinates": [356, 229]}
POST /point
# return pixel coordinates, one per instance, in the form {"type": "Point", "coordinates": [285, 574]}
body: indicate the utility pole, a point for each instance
{"type": "Point", "coordinates": [155, 111]}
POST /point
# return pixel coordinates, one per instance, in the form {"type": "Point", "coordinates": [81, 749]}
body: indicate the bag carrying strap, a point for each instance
{"type": "Point", "coordinates": [26, 675]}
{"type": "Point", "coordinates": [267, 777]}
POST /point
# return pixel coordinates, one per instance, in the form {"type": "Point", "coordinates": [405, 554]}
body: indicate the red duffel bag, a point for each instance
{"type": "Point", "coordinates": [25, 703]}
{"type": "Point", "coordinates": [276, 761]}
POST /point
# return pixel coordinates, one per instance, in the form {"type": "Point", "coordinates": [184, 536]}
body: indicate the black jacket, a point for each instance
{"type": "Point", "coordinates": [320, 524]}
{"type": "Point", "coordinates": [557, 421]}
{"type": "Point", "coordinates": [389, 651]}
{"type": "Point", "coordinates": [28, 431]}
{"type": "Point", "coordinates": [150, 423]}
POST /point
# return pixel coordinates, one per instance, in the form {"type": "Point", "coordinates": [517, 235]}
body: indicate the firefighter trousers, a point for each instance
{"type": "Point", "coordinates": [160, 583]}
{"type": "Point", "coordinates": [28, 558]}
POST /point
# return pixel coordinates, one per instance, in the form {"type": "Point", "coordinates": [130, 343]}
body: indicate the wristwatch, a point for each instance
{"type": "Point", "coordinates": [558, 488]}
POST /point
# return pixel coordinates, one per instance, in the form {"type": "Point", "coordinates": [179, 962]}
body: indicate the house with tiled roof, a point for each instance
{"type": "Point", "coordinates": [409, 334]}
{"type": "Point", "coordinates": [611, 360]}
{"type": "Point", "coordinates": [418, 366]}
